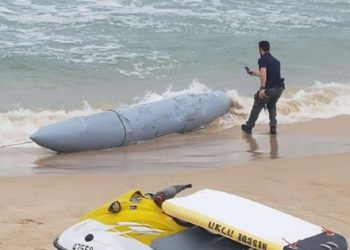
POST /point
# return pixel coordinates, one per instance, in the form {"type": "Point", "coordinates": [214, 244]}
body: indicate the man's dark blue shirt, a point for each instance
{"type": "Point", "coordinates": [273, 70]}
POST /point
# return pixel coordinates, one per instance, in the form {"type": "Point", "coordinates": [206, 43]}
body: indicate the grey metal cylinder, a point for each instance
{"type": "Point", "coordinates": [119, 127]}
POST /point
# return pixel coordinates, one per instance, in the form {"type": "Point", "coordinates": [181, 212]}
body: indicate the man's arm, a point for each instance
{"type": "Point", "coordinates": [263, 76]}
{"type": "Point", "coordinates": [254, 73]}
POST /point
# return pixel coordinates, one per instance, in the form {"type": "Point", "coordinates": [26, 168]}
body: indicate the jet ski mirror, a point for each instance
{"type": "Point", "coordinates": [115, 207]}
{"type": "Point", "coordinates": [168, 193]}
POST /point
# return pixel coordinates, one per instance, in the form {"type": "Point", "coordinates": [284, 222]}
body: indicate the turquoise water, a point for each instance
{"type": "Point", "coordinates": [56, 54]}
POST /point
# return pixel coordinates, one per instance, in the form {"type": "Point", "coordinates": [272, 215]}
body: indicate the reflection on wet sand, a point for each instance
{"type": "Point", "coordinates": [273, 147]}
{"type": "Point", "coordinates": [198, 149]}
{"type": "Point", "coordinates": [177, 152]}
{"type": "Point", "coordinates": [254, 147]}
{"type": "Point", "coordinates": [194, 150]}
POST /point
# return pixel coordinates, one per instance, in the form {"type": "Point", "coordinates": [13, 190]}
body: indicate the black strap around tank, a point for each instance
{"type": "Point", "coordinates": [121, 121]}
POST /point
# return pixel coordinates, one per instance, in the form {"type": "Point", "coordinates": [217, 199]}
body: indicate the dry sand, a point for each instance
{"type": "Point", "coordinates": [312, 182]}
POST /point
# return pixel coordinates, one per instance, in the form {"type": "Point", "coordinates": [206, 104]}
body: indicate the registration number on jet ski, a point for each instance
{"type": "Point", "coordinates": [78, 246]}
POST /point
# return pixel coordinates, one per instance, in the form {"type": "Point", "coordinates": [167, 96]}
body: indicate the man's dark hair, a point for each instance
{"type": "Point", "coordinates": [264, 45]}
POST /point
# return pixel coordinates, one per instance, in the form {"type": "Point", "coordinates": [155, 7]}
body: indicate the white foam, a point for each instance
{"type": "Point", "coordinates": [319, 101]}
{"type": "Point", "coordinates": [5, 10]}
{"type": "Point", "coordinates": [38, 25]}
{"type": "Point", "coordinates": [16, 126]}
{"type": "Point", "coordinates": [195, 88]}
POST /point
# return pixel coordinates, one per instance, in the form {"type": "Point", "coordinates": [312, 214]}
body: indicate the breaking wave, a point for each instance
{"type": "Point", "coordinates": [319, 101]}
{"type": "Point", "coordinates": [322, 100]}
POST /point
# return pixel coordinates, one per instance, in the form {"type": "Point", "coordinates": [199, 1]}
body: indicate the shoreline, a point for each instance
{"type": "Point", "coordinates": [208, 148]}
{"type": "Point", "coordinates": [307, 177]}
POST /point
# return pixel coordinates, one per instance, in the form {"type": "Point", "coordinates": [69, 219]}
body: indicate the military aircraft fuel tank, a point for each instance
{"type": "Point", "coordinates": [118, 127]}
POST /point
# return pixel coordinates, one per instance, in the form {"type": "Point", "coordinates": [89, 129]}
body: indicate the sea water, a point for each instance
{"type": "Point", "coordinates": [63, 58]}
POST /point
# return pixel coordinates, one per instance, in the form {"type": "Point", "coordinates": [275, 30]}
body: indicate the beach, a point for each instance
{"type": "Point", "coordinates": [69, 59]}
{"type": "Point", "coordinates": [304, 174]}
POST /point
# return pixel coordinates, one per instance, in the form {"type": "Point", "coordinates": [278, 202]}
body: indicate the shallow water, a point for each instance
{"type": "Point", "coordinates": [57, 54]}
{"type": "Point", "coordinates": [195, 150]}
{"type": "Point", "coordinates": [61, 59]}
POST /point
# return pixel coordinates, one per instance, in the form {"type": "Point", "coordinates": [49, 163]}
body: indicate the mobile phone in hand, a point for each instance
{"type": "Point", "coordinates": [248, 70]}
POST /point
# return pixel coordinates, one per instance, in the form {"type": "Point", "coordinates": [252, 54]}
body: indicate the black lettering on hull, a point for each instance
{"type": "Point", "coordinates": [221, 229]}
{"type": "Point", "coordinates": [257, 244]}
{"type": "Point", "coordinates": [246, 240]}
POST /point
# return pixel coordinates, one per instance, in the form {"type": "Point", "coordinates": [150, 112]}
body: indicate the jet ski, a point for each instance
{"type": "Point", "coordinates": [205, 220]}
{"type": "Point", "coordinates": [136, 221]}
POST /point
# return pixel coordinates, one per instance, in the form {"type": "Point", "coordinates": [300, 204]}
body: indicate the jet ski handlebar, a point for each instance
{"type": "Point", "coordinates": [168, 193]}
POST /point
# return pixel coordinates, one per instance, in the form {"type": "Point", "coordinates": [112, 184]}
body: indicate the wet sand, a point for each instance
{"type": "Point", "coordinates": [303, 171]}
{"type": "Point", "coordinates": [196, 150]}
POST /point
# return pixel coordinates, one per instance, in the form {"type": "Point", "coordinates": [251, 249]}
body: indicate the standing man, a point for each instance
{"type": "Point", "coordinates": [271, 88]}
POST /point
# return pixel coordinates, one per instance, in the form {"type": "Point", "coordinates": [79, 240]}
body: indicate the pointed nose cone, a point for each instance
{"type": "Point", "coordinates": [55, 137]}
{"type": "Point", "coordinates": [61, 137]}
{"type": "Point", "coordinates": [98, 131]}
{"type": "Point", "coordinates": [39, 137]}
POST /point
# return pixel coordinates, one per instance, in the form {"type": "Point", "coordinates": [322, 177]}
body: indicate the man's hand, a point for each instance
{"type": "Point", "coordinates": [262, 94]}
{"type": "Point", "coordinates": [253, 73]}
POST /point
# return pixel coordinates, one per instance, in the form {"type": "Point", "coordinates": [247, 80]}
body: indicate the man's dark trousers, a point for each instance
{"type": "Point", "coordinates": [273, 94]}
